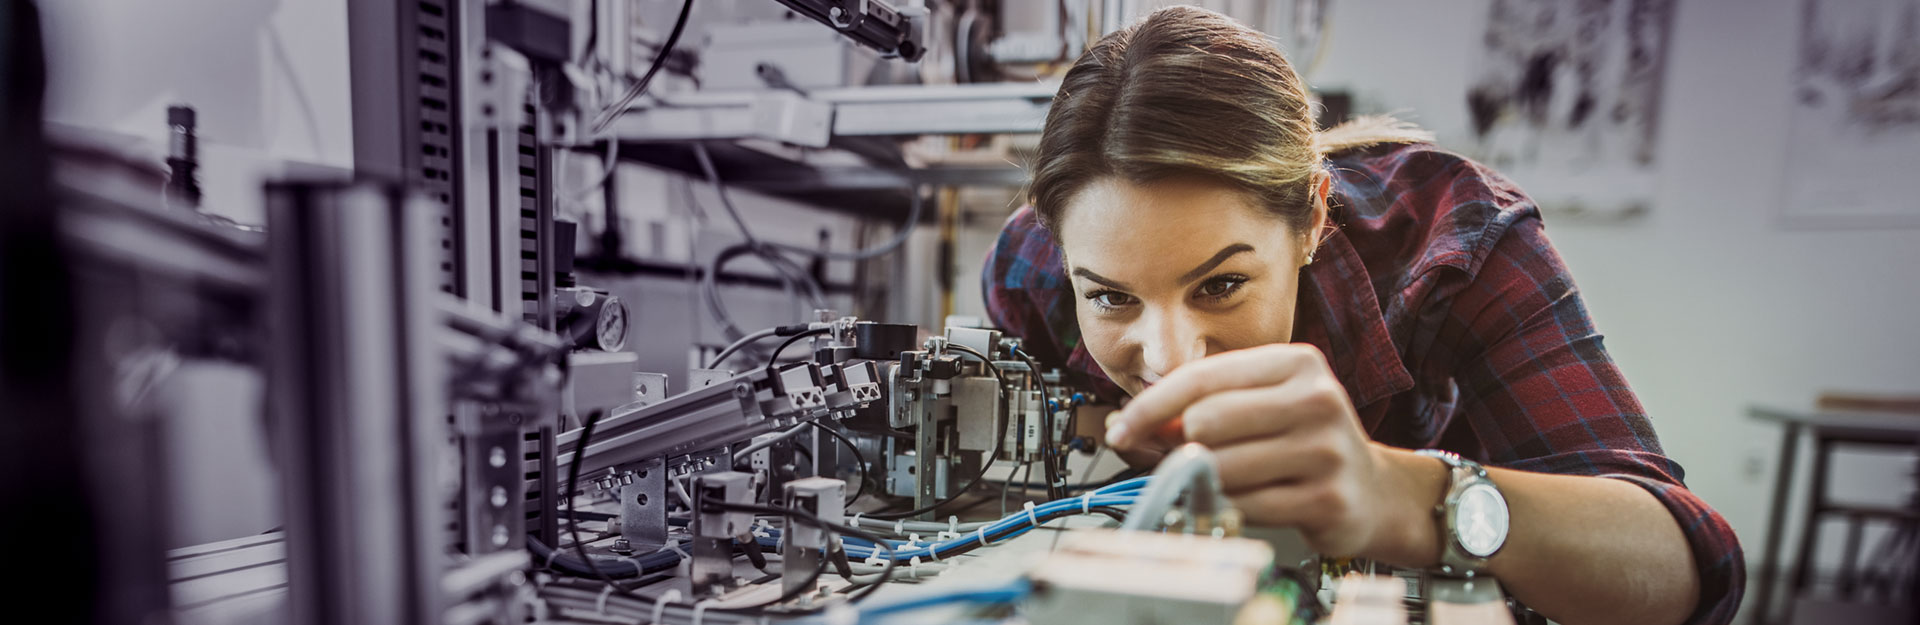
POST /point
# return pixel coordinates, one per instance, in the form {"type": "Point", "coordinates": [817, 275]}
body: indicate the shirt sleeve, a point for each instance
{"type": "Point", "coordinates": [1541, 394]}
{"type": "Point", "coordinates": [1018, 288]}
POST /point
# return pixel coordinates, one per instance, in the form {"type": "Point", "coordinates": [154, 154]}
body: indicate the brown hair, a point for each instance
{"type": "Point", "coordinates": [1186, 91]}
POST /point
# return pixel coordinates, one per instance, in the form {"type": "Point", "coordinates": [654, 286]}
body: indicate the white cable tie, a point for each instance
{"type": "Point", "coordinates": [873, 558]}
{"type": "Point", "coordinates": [934, 552]}
{"type": "Point", "coordinates": [913, 567]}
{"type": "Point", "coordinates": [856, 519]}
{"type": "Point", "coordinates": [1035, 518]}
{"type": "Point", "coordinates": [953, 528]}
{"type": "Point", "coordinates": [673, 545]}
{"type": "Point", "coordinates": [899, 527]}
{"type": "Point", "coordinates": [660, 603]}
{"type": "Point", "coordinates": [700, 609]}
{"type": "Point", "coordinates": [1086, 502]}
{"type": "Point", "coordinates": [600, 606]}
{"type": "Point", "coordinates": [982, 534]}
{"type": "Point", "coordinates": [913, 540]}
{"type": "Point", "coordinates": [551, 556]}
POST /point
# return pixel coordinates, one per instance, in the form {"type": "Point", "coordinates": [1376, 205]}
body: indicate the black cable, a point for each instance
{"type": "Point", "coordinates": [755, 555]}
{"type": "Point", "coordinates": [573, 484]}
{"type": "Point", "coordinates": [866, 472]}
{"type": "Point", "coordinates": [1111, 513]}
{"type": "Point", "coordinates": [774, 359]}
{"type": "Point", "coordinates": [659, 61]}
{"type": "Point", "coordinates": [841, 565]}
{"type": "Point", "coordinates": [622, 568]}
{"type": "Point", "coordinates": [992, 368]}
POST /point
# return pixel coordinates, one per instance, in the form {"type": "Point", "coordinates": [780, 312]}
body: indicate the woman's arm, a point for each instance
{"type": "Point", "coordinates": [1581, 550]}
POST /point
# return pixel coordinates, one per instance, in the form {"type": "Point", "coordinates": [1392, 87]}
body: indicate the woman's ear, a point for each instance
{"type": "Point", "coordinates": [1319, 226]}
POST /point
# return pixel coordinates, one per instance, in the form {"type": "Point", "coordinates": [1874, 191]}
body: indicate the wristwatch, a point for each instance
{"type": "Point", "coordinates": [1472, 517]}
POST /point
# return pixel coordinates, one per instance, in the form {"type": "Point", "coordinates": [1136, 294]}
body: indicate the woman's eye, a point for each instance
{"type": "Point", "coordinates": [1221, 287]}
{"type": "Point", "coordinates": [1110, 299]}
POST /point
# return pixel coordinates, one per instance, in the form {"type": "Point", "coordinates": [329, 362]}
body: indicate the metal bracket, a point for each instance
{"type": "Point", "coordinates": [643, 506]}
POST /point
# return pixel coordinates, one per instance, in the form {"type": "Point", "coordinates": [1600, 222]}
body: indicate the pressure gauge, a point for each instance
{"type": "Point", "coordinates": [610, 329]}
{"type": "Point", "coordinates": [592, 319]}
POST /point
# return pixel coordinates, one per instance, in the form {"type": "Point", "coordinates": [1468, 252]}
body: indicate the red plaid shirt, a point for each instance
{"type": "Point", "coordinates": [1451, 321]}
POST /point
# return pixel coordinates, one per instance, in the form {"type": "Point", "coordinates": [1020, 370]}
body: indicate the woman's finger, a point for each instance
{"type": "Point", "coordinates": [1259, 463]}
{"type": "Point", "coordinates": [1233, 416]}
{"type": "Point", "coordinates": [1161, 403]}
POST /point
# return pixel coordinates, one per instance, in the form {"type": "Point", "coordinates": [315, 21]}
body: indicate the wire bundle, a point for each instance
{"type": "Point", "coordinates": [1013, 525]}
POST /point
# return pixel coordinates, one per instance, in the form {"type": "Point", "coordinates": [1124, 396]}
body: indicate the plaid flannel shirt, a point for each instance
{"type": "Point", "coordinates": [1452, 323]}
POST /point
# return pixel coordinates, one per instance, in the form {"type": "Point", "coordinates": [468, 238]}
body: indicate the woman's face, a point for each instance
{"type": "Point", "coordinates": [1173, 271]}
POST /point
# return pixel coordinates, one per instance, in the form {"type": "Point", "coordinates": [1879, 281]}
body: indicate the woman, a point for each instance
{"type": "Point", "coordinates": [1316, 305]}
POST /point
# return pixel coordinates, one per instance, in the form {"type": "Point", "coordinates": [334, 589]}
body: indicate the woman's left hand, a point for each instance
{"type": "Point", "coordinates": [1290, 446]}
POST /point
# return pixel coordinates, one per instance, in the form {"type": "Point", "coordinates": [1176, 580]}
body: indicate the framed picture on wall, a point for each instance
{"type": "Point", "coordinates": [1853, 156]}
{"type": "Point", "coordinates": [1565, 99]}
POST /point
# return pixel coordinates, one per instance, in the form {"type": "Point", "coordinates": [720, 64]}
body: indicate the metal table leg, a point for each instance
{"type": "Point", "coordinates": [1782, 484]}
{"type": "Point", "coordinates": [1816, 503]}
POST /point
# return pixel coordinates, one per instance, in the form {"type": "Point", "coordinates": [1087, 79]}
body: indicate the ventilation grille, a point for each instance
{"type": "Point", "coordinates": [437, 121]}
{"type": "Point", "coordinates": [530, 291]}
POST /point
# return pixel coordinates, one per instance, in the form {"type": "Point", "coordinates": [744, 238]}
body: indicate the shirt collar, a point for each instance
{"type": "Point", "coordinates": [1339, 313]}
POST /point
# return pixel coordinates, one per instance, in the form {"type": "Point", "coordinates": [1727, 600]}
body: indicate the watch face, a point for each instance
{"type": "Point", "coordinates": [1480, 520]}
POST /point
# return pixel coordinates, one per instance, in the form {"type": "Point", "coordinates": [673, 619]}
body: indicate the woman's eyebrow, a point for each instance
{"type": "Point", "coordinates": [1218, 257]}
{"type": "Point", "coordinates": [1103, 280]}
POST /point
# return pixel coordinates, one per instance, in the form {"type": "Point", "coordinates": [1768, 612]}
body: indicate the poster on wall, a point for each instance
{"type": "Point", "coordinates": [1564, 97]}
{"type": "Point", "coordinates": [1854, 147]}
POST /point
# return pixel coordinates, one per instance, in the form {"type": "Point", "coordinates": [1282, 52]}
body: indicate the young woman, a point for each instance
{"type": "Point", "coordinates": [1315, 306]}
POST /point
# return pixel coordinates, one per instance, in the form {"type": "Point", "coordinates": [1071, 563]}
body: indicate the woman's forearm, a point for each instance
{"type": "Point", "coordinates": [1581, 550]}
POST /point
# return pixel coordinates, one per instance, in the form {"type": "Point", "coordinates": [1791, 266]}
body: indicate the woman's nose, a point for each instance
{"type": "Point", "coordinates": [1174, 342]}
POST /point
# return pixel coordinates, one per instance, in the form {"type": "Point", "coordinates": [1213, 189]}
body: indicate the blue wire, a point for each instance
{"type": "Point", "coordinates": [1008, 593]}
